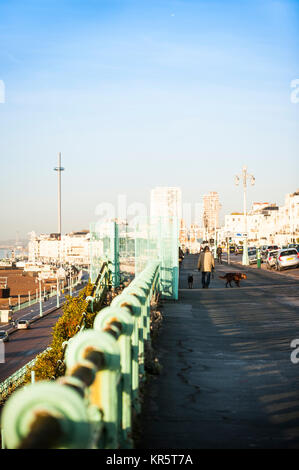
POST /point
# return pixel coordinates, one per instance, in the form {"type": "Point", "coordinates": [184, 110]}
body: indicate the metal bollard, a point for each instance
{"type": "Point", "coordinates": [258, 258]}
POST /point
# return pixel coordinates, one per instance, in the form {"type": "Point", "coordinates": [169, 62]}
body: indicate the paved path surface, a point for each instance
{"type": "Point", "coordinates": [227, 380]}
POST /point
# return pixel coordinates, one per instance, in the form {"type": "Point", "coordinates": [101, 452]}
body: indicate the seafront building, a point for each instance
{"type": "Point", "coordinates": [73, 248]}
{"type": "Point", "coordinates": [266, 222]}
{"type": "Point", "coordinates": [166, 202]}
{"type": "Point", "coordinates": [211, 209]}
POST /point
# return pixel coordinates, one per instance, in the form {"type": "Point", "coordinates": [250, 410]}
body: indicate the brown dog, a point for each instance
{"type": "Point", "coordinates": [236, 277]}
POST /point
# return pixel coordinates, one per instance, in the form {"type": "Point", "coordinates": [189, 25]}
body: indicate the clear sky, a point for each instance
{"type": "Point", "coordinates": [143, 93]}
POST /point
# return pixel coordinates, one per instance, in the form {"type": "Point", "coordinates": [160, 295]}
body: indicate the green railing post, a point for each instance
{"type": "Point", "coordinates": [114, 254]}
{"type": "Point", "coordinates": [141, 325]}
{"type": "Point", "coordinates": [134, 304]}
{"type": "Point", "coordinates": [168, 254]}
{"type": "Point", "coordinates": [103, 391]}
{"type": "Point", "coordinates": [122, 316]}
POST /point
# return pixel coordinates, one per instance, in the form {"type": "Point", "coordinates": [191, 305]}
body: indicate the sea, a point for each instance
{"type": "Point", "coordinates": [6, 253]}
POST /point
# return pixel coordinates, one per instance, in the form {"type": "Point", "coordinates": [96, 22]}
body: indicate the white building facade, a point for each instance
{"type": "Point", "coordinates": [266, 223]}
{"type": "Point", "coordinates": [211, 209]}
{"type": "Point", "coordinates": [73, 248]}
{"type": "Point", "coordinates": [166, 202]}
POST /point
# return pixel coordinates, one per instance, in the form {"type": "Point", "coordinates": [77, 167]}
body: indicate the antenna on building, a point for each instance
{"type": "Point", "coordinates": [59, 169]}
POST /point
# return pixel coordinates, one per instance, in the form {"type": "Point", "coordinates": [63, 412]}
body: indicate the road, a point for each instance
{"type": "Point", "coordinates": [33, 310]}
{"type": "Point", "coordinates": [227, 379]}
{"type": "Point", "coordinates": [24, 345]}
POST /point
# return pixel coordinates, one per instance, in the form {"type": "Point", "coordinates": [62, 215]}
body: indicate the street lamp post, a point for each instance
{"type": "Point", "coordinates": [217, 206]}
{"type": "Point", "coordinates": [245, 176]}
{"type": "Point", "coordinates": [70, 289]}
{"type": "Point", "coordinates": [59, 169]}
{"type": "Point", "coordinates": [40, 298]}
{"type": "Point", "coordinates": [57, 291]}
{"type": "Point", "coordinates": [215, 234]}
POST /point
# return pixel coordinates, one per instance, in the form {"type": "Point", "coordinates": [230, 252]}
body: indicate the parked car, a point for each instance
{"type": "Point", "coordinates": [269, 248]}
{"type": "Point", "coordinates": [294, 245]}
{"type": "Point", "coordinates": [4, 336]}
{"type": "Point", "coordinates": [239, 250]}
{"type": "Point", "coordinates": [287, 258]}
{"type": "Point", "coordinates": [23, 325]}
{"type": "Point", "coordinates": [271, 259]}
{"type": "Point", "coordinates": [252, 255]}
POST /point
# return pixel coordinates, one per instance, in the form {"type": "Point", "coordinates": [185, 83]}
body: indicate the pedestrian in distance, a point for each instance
{"type": "Point", "coordinates": [219, 254]}
{"type": "Point", "coordinates": [206, 264]}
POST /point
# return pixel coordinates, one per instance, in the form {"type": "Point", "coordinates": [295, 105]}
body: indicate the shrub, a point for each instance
{"type": "Point", "coordinates": [49, 364]}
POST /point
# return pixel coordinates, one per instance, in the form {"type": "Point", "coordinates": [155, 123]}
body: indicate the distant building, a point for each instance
{"type": "Point", "coordinates": [73, 248]}
{"type": "Point", "coordinates": [211, 209]}
{"type": "Point", "coordinates": [267, 222]}
{"type": "Point", "coordinates": [166, 202]}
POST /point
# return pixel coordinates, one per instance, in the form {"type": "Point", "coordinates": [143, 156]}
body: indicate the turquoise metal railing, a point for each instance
{"type": "Point", "coordinates": [92, 406]}
{"type": "Point", "coordinates": [102, 285]}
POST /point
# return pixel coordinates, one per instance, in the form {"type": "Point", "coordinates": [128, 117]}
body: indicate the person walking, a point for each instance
{"type": "Point", "coordinates": [206, 264]}
{"type": "Point", "coordinates": [219, 254]}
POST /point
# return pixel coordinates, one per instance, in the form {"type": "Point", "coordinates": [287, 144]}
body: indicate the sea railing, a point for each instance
{"type": "Point", "coordinates": [93, 404]}
{"type": "Point", "coordinates": [102, 285]}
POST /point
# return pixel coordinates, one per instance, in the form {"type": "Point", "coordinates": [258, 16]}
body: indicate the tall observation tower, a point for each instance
{"type": "Point", "coordinates": [59, 169]}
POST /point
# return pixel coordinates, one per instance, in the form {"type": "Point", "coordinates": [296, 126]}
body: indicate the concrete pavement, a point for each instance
{"type": "Point", "coordinates": [227, 378]}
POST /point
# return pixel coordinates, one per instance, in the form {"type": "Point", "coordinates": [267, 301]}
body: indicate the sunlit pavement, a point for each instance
{"type": "Point", "coordinates": [227, 378]}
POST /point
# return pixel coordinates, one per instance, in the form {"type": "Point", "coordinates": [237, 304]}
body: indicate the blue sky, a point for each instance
{"type": "Point", "coordinates": [140, 93]}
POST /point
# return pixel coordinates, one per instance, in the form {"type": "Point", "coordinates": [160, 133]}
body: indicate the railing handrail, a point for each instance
{"type": "Point", "coordinates": [105, 366]}
{"type": "Point", "coordinates": [20, 373]}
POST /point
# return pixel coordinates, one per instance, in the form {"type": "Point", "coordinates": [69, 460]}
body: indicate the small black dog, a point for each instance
{"type": "Point", "coordinates": [190, 281]}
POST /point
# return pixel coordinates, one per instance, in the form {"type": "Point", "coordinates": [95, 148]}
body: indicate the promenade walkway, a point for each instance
{"type": "Point", "coordinates": [227, 378]}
